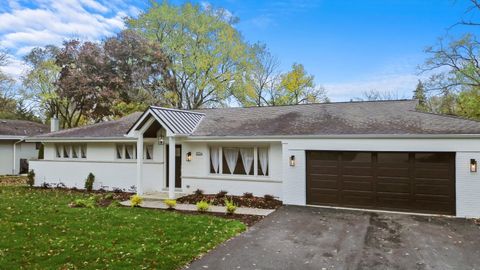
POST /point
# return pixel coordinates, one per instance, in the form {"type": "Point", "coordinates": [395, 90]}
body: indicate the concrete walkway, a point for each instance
{"type": "Point", "coordinates": [215, 209]}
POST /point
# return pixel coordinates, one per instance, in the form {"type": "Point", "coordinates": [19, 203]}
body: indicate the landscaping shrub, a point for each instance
{"type": "Point", "coordinates": [230, 206]}
{"type": "Point", "coordinates": [117, 190]}
{"type": "Point", "coordinates": [170, 203]}
{"type": "Point", "coordinates": [89, 182]}
{"type": "Point", "coordinates": [203, 206]}
{"type": "Point", "coordinates": [248, 195]}
{"type": "Point", "coordinates": [87, 203]}
{"type": "Point", "coordinates": [198, 192]}
{"type": "Point", "coordinates": [268, 197]}
{"type": "Point", "coordinates": [221, 194]}
{"type": "Point", "coordinates": [135, 200]}
{"type": "Point", "coordinates": [108, 196]}
{"type": "Point", "coordinates": [31, 178]}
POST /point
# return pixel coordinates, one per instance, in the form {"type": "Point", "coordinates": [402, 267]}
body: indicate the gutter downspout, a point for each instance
{"type": "Point", "coordinates": [15, 156]}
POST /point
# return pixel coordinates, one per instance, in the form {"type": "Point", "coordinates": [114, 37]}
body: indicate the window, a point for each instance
{"type": "Point", "coordinates": [38, 145]}
{"type": "Point", "coordinates": [73, 151]}
{"type": "Point", "coordinates": [129, 151]}
{"type": "Point", "coordinates": [239, 160]}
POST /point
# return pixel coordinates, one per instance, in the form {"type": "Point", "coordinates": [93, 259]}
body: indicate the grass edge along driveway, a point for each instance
{"type": "Point", "coordinates": [39, 230]}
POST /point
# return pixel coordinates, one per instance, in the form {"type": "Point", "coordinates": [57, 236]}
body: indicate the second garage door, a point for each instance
{"type": "Point", "coordinates": [402, 181]}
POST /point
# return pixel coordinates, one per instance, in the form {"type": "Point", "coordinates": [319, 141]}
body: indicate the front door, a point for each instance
{"type": "Point", "coordinates": [178, 165]}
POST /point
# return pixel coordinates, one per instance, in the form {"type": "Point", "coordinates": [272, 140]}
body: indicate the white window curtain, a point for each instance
{"type": "Point", "coordinates": [119, 151]}
{"type": "Point", "coordinates": [149, 151]}
{"type": "Point", "coordinates": [214, 158]}
{"type": "Point", "coordinates": [231, 156]}
{"type": "Point", "coordinates": [66, 151]}
{"type": "Point", "coordinates": [83, 150]}
{"type": "Point", "coordinates": [74, 151]}
{"type": "Point", "coordinates": [263, 158]}
{"type": "Point", "coordinates": [57, 148]}
{"type": "Point", "coordinates": [247, 158]}
{"type": "Point", "coordinates": [129, 152]}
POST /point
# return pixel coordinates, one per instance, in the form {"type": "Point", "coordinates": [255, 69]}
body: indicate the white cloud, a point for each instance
{"type": "Point", "coordinates": [399, 84]}
{"type": "Point", "coordinates": [42, 22]}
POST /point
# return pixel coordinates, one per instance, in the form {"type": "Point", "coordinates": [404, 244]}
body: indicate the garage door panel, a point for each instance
{"type": "Point", "coordinates": [357, 185]}
{"type": "Point", "coordinates": [396, 172]}
{"type": "Point", "coordinates": [357, 171]}
{"type": "Point", "coordinates": [394, 187]}
{"type": "Point", "coordinates": [416, 182]}
{"type": "Point", "coordinates": [333, 184]}
{"type": "Point", "coordinates": [324, 196]}
{"type": "Point", "coordinates": [324, 170]}
{"type": "Point", "coordinates": [440, 173]}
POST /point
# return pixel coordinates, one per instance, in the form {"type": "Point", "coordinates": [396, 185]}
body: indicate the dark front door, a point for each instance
{"type": "Point", "coordinates": [178, 165]}
{"type": "Point", "coordinates": [402, 181]}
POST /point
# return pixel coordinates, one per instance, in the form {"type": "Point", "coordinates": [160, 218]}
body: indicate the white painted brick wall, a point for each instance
{"type": "Point", "coordinates": [467, 185]}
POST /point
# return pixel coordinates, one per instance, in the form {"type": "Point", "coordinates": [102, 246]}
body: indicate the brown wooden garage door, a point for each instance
{"type": "Point", "coordinates": [401, 181]}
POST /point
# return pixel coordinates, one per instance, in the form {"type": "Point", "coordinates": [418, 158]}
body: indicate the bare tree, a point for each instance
{"type": "Point", "coordinates": [375, 95]}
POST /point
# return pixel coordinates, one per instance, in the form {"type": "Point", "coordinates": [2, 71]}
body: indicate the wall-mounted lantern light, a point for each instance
{"type": "Point", "coordinates": [189, 156]}
{"type": "Point", "coordinates": [292, 161]}
{"type": "Point", "coordinates": [161, 140]}
{"type": "Point", "coordinates": [473, 165]}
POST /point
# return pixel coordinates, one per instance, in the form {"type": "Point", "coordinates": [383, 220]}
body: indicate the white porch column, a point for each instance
{"type": "Point", "coordinates": [140, 164]}
{"type": "Point", "coordinates": [171, 167]}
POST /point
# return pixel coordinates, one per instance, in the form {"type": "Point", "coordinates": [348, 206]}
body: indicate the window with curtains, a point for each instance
{"type": "Point", "coordinates": [129, 151]}
{"type": "Point", "coordinates": [71, 151]}
{"type": "Point", "coordinates": [239, 160]}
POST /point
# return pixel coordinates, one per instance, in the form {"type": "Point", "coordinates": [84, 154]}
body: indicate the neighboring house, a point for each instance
{"type": "Point", "coordinates": [14, 151]}
{"type": "Point", "coordinates": [378, 155]}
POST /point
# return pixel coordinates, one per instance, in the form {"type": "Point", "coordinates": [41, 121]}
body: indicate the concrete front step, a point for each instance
{"type": "Point", "coordinates": [160, 196]}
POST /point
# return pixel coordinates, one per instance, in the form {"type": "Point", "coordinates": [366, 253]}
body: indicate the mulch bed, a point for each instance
{"type": "Point", "coordinates": [241, 201]}
{"type": "Point", "coordinates": [13, 180]}
{"type": "Point", "coordinates": [248, 220]}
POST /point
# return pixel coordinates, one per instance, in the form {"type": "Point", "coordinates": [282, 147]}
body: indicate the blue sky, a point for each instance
{"type": "Point", "coordinates": [350, 46]}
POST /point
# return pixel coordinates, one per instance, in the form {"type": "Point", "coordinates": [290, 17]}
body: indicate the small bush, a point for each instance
{"type": "Point", "coordinates": [203, 206]}
{"type": "Point", "coordinates": [170, 203]}
{"type": "Point", "coordinates": [268, 197]}
{"type": "Point", "coordinates": [114, 204]}
{"type": "Point", "coordinates": [248, 195]}
{"type": "Point", "coordinates": [198, 192]}
{"type": "Point", "coordinates": [31, 178]}
{"type": "Point", "coordinates": [117, 190]}
{"type": "Point", "coordinates": [221, 194]}
{"type": "Point", "coordinates": [135, 200]}
{"type": "Point", "coordinates": [87, 203]}
{"type": "Point", "coordinates": [230, 206]}
{"type": "Point", "coordinates": [108, 196]}
{"type": "Point", "coordinates": [89, 182]}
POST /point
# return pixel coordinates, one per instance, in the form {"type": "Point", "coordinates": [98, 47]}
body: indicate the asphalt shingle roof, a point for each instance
{"type": "Point", "coordinates": [108, 129]}
{"type": "Point", "coordinates": [343, 118]}
{"type": "Point", "coordinates": [21, 128]}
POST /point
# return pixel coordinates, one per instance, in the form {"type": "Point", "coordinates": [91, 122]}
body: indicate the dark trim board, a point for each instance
{"type": "Point", "coordinates": [422, 182]}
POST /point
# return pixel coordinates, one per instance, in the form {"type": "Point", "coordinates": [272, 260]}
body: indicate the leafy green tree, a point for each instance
{"type": "Point", "coordinates": [419, 94]}
{"type": "Point", "coordinates": [298, 87]}
{"type": "Point", "coordinates": [262, 82]}
{"type": "Point", "coordinates": [208, 55]}
{"type": "Point", "coordinates": [40, 82]}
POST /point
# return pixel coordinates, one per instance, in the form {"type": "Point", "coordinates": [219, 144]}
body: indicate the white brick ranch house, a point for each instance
{"type": "Point", "coordinates": [375, 155]}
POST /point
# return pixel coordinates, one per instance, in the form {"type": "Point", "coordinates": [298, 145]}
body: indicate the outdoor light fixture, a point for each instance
{"type": "Point", "coordinates": [160, 140]}
{"type": "Point", "coordinates": [473, 165]}
{"type": "Point", "coordinates": [292, 160]}
{"type": "Point", "coordinates": [189, 156]}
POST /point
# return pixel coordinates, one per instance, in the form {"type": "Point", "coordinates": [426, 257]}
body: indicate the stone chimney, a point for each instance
{"type": "Point", "coordinates": [54, 124]}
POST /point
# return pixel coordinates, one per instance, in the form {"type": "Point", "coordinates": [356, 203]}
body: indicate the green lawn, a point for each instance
{"type": "Point", "coordinates": [39, 231]}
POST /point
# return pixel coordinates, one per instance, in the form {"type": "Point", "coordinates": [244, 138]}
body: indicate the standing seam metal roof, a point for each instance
{"type": "Point", "coordinates": [179, 122]}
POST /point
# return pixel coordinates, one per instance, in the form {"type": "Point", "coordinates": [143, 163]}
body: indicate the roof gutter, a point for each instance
{"type": "Point", "coordinates": [80, 139]}
{"type": "Point", "coordinates": [9, 137]}
{"type": "Point", "coordinates": [342, 136]}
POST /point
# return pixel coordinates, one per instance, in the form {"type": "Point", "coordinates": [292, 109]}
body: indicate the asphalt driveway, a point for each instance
{"type": "Point", "coordinates": [318, 238]}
